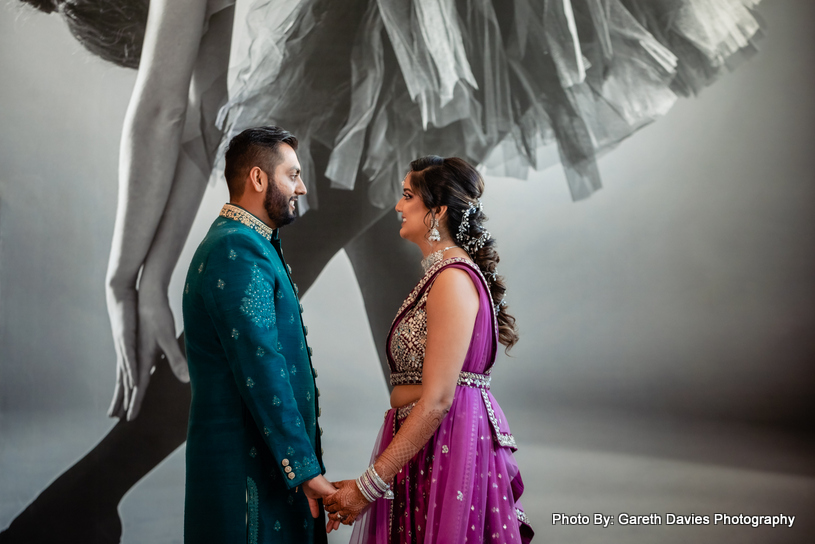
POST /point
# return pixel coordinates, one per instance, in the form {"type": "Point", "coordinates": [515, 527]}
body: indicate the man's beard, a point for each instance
{"type": "Point", "coordinates": [277, 206]}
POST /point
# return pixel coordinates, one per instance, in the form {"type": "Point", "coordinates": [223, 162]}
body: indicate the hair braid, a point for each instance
{"type": "Point", "coordinates": [452, 182]}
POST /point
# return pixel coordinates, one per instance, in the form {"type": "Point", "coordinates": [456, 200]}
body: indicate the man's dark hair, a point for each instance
{"type": "Point", "coordinates": [254, 147]}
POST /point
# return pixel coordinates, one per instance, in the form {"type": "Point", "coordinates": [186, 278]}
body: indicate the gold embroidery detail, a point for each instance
{"type": "Point", "coordinates": [408, 336]}
{"type": "Point", "coordinates": [236, 213]}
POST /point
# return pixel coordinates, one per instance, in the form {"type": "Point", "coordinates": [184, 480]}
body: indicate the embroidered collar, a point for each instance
{"type": "Point", "coordinates": [231, 211]}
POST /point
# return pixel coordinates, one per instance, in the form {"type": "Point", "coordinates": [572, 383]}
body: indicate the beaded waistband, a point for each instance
{"type": "Point", "coordinates": [482, 383]}
{"type": "Point", "coordinates": [471, 379]}
{"type": "Point", "coordinates": [467, 379]}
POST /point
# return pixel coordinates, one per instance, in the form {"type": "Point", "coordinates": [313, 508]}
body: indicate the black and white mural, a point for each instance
{"type": "Point", "coordinates": [649, 180]}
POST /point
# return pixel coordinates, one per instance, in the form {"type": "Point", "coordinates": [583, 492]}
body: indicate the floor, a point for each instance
{"type": "Point", "coordinates": [572, 463]}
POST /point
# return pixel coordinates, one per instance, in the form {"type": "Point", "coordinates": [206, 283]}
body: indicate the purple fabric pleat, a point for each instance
{"type": "Point", "coordinates": [463, 484]}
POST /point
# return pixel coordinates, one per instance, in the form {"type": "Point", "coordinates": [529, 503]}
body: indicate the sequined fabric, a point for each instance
{"type": "Point", "coordinates": [257, 304]}
{"type": "Point", "coordinates": [408, 337]}
{"type": "Point", "coordinates": [407, 346]}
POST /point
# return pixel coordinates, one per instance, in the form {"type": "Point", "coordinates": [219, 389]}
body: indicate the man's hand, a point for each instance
{"type": "Point", "coordinates": [346, 504]}
{"type": "Point", "coordinates": [315, 489]}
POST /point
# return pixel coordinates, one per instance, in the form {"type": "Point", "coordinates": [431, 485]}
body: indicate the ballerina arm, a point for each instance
{"type": "Point", "coordinates": [156, 325]}
{"type": "Point", "coordinates": [148, 155]}
{"type": "Point", "coordinates": [452, 306]}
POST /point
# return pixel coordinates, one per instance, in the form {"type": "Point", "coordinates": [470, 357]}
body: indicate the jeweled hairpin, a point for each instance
{"type": "Point", "coordinates": [471, 245]}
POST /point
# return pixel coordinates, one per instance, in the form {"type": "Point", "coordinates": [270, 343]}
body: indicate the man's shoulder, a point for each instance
{"type": "Point", "coordinates": [234, 246]}
{"type": "Point", "coordinates": [226, 232]}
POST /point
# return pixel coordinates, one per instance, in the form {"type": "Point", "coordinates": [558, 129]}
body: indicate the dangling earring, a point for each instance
{"type": "Point", "coordinates": [434, 235]}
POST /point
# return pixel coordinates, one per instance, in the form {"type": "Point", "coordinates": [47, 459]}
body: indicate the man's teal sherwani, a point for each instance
{"type": "Point", "coordinates": [253, 436]}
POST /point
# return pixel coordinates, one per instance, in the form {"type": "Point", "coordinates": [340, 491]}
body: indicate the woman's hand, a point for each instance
{"type": "Point", "coordinates": [346, 504]}
{"type": "Point", "coordinates": [142, 325]}
{"type": "Point", "coordinates": [122, 308]}
{"type": "Point", "coordinates": [156, 334]}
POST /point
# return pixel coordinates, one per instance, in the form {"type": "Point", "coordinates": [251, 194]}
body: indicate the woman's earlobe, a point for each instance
{"type": "Point", "coordinates": [441, 212]}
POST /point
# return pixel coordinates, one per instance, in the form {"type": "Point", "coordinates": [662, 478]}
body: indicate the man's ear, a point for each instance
{"type": "Point", "coordinates": [257, 179]}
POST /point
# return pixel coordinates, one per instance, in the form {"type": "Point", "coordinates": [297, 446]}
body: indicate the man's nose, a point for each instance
{"type": "Point", "coordinates": [301, 187]}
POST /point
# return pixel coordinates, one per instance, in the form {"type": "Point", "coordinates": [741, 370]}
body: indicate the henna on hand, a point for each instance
{"type": "Point", "coordinates": [348, 502]}
{"type": "Point", "coordinates": [414, 433]}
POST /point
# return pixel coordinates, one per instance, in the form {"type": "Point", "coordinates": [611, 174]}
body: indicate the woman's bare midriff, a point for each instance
{"type": "Point", "coordinates": [405, 394]}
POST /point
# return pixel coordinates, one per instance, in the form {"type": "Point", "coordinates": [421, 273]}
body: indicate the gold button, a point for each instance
{"type": "Point", "coordinates": [318, 391]}
{"type": "Point", "coordinates": [291, 475]}
{"type": "Point", "coordinates": [288, 469]}
{"type": "Point", "coordinates": [319, 412]}
{"type": "Point", "coordinates": [285, 462]}
{"type": "Point", "coordinates": [321, 431]}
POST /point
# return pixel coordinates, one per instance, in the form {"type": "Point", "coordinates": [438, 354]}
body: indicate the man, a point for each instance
{"type": "Point", "coordinates": [254, 462]}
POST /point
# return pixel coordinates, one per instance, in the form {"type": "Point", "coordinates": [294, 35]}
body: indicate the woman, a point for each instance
{"type": "Point", "coordinates": [444, 454]}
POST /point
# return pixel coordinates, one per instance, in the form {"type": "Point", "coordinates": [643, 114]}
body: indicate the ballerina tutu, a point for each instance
{"type": "Point", "coordinates": [381, 82]}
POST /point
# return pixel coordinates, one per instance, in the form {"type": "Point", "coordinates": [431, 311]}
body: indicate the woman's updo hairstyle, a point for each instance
{"type": "Point", "coordinates": [110, 29]}
{"type": "Point", "coordinates": [452, 182]}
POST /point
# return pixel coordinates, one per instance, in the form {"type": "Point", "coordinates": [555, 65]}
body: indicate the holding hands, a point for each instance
{"type": "Point", "coordinates": [343, 500]}
{"type": "Point", "coordinates": [345, 504]}
{"type": "Point", "coordinates": [353, 496]}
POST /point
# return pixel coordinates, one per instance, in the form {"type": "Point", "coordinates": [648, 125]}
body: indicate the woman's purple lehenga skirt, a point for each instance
{"type": "Point", "coordinates": [461, 487]}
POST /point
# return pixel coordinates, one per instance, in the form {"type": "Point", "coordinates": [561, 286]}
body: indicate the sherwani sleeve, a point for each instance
{"type": "Point", "coordinates": [239, 292]}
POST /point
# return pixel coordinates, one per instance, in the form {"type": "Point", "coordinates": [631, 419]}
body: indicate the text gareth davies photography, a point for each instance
{"type": "Point", "coordinates": [607, 520]}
